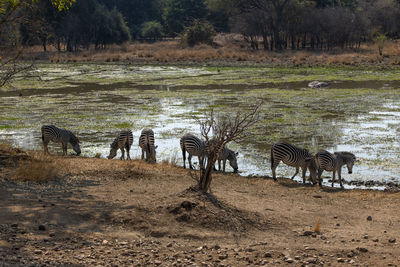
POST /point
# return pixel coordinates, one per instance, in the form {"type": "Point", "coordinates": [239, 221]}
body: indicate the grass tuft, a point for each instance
{"type": "Point", "coordinates": [317, 227]}
{"type": "Point", "coordinates": [40, 168]}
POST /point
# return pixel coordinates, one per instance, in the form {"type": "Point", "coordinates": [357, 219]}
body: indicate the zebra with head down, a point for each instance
{"type": "Point", "coordinates": [58, 135]}
{"type": "Point", "coordinates": [230, 155]}
{"type": "Point", "coordinates": [123, 142]}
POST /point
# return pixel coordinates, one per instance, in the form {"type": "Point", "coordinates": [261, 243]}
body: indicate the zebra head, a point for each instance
{"type": "Point", "coordinates": [348, 159]}
{"type": "Point", "coordinates": [113, 152]}
{"type": "Point", "coordinates": [75, 143]}
{"type": "Point", "coordinates": [233, 161]}
{"type": "Point", "coordinates": [153, 154]}
{"type": "Point", "coordinates": [312, 167]}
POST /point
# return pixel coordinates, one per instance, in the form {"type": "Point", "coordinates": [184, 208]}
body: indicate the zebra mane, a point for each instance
{"type": "Point", "coordinates": [345, 155]}
{"type": "Point", "coordinates": [73, 138]}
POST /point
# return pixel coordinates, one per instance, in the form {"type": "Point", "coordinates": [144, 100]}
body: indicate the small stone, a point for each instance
{"type": "Point", "coordinates": [340, 260]}
{"type": "Point", "coordinates": [307, 233]}
{"type": "Point", "coordinates": [369, 218]}
{"type": "Point", "coordinates": [365, 236]}
{"type": "Point", "coordinates": [362, 249]}
{"type": "Point", "coordinates": [169, 245]}
{"type": "Point", "coordinates": [338, 224]}
{"type": "Point", "coordinates": [289, 260]}
{"type": "Point", "coordinates": [37, 251]}
{"type": "Point", "coordinates": [105, 242]}
{"type": "Point", "coordinates": [249, 249]}
{"type": "Point", "coordinates": [392, 240]}
{"type": "Point", "coordinates": [267, 255]}
{"type": "Point", "coordinates": [42, 227]}
{"type": "Point", "coordinates": [217, 247]}
{"type": "Point", "coordinates": [14, 225]}
{"type": "Point", "coordinates": [297, 258]}
{"type": "Point", "coordinates": [222, 257]}
{"type": "Point", "coordinates": [375, 240]}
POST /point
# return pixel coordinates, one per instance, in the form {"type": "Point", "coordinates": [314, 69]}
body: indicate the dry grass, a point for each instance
{"type": "Point", "coordinates": [39, 168]}
{"type": "Point", "coordinates": [317, 227]}
{"type": "Point", "coordinates": [229, 49]}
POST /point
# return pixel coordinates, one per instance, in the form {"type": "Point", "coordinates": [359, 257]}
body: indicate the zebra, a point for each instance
{"type": "Point", "coordinates": [230, 155]}
{"type": "Point", "coordinates": [327, 161]}
{"type": "Point", "coordinates": [146, 143]}
{"type": "Point", "coordinates": [194, 147]}
{"type": "Point", "coordinates": [123, 141]}
{"type": "Point", "coordinates": [57, 135]}
{"type": "Point", "coordinates": [293, 156]}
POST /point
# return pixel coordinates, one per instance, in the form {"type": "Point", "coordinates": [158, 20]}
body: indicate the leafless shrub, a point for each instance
{"type": "Point", "coordinates": [218, 130]}
{"type": "Point", "coordinates": [40, 168]}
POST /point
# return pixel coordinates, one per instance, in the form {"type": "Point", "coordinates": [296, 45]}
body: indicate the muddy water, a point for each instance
{"type": "Point", "coordinates": [361, 116]}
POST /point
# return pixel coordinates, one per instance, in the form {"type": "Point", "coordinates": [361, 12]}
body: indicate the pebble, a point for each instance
{"type": "Point", "coordinates": [42, 227]}
{"type": "Point", "coordinates": [369, 218]}
{"type": "Point", "coordinates": [392, 240]}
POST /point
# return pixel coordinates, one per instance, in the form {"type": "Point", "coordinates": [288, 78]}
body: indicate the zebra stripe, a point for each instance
{"type": "Point", "coordinates": [194, 147]}
{"type": "Point", "coordinates": [230, 155]}
{"type": "Point", "coordinates": [327, 161]}
{"type": "Point", "coordinates": [58, 135]}
{"type": "Point", "coordinates": [146, 143]}
{"type": "Point", "coordinates": [293, 156]}
{"type": "Point", "coordinates": [123, 142]}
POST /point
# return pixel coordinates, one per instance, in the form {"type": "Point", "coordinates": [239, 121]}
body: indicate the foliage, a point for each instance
{"type": "Point", "coordinates": [152, 30]}
{"type": "Point", "coordinates": [178, 14]}
{"type": "Point", "coordinates": [199, 32]}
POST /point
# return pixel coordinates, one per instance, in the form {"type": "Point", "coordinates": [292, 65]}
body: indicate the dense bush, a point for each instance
{"type": "Point", "coordinates": [151, 30]}
{"type": "Point", "coordinates": [199, 32]}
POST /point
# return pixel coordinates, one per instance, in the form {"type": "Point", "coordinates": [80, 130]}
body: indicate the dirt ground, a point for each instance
{"type": "Point", "coordinates": [99, 212]}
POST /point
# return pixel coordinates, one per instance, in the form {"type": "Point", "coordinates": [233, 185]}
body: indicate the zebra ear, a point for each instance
{"type": "Point", "coordinates": [237, 153]}
{"type": "Point", "coordinates": [155, 147]}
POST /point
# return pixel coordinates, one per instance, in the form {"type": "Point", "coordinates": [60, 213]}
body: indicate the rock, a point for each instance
{"type": "Point", "coordinates": [317, 84]}
{"type": "Point", "coordinates": [340, 260]}
{"type": "Point", "coordinates": [267, 255]}
{"type": "Point", "coordinates": [289, 260]}
{"type": "Point", "coordinates": [307, 233]}
{"type": "Point", "coordinates": [183, 218]}
{"type": "Point", "coordinates": [369, 218]}
{"type": "Point", "coordinates": [223, 257]}
{"type": "Point", "coordinates": [37, 251]}
{"type": "Point", "coordinates": [157, 234]}
{"type": "Point", "coordinates": [365, 236]}
{"type": "Point", "coordinates": [217, 247]}
{"type": "Point", "coordinates": [187, 205]}
{"type": "Point", "coordinates": [392, 240]}
{"type": "Point", "coordinates": [249, 249]}
{"type": "Point", "coordinates": [104, 242]}
{"type": "Point", "coordinates": [297, 257]}
{"type": "Point", "coordinates": [14, 225]}
{"type": "Point", "coordinates": [361, 249]}
{"type": "Point", "coordinates": [169, 245]}
{"type": "Point", "coordinates": [42, 227]}
{"type": "Point", "coordinates": [375, 240]}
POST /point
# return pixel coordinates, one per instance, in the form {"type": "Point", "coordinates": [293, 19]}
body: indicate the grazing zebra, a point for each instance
{"type": "Point", "coordinates": [57, 135]}
{"type": "Point", "coordinates": [327, 161]}
{"type": "Point", "coordinates": [230, 155]}
{"type": "Point", "coordinates": [123, 141]}
{"type": "Point", "coordinates": [146, 143]}
{"type": "Point", "coordinates": [293, 156]}
{"type": "Point", "coordinates": [194, 147]}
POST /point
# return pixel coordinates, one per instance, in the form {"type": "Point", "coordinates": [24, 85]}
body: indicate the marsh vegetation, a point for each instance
{"type": "Point", "coordinates": [359, 111]}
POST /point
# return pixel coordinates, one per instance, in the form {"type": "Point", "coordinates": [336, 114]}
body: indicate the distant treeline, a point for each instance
{"type": "Point", "coordinates": [265, 24]}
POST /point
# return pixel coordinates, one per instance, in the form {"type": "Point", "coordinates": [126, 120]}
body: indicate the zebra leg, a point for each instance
{"type": "Point", "coordinates": [142, 153]}
{"type": "Point", "coordinates": [273, 168]}
{"type": "Point", "coordinates": [223, 165]}
{"type": "Point", "coordinates": [333, 177]}
{"type": "Point", "coordinates": [45, 148]}
{"type": "Point", "coordinates": [297, 171]}
{"type": "Point", "coordinates": [340, 177]}
{"type": "Point", "coordinates": [319, 176]}
{"type": "Point", "coordinates": [64, 148]}
{"type": "Point", "coordinates": [128, 147]}
{"type": "Point", "coordinates": [303, 173]}
{"type": "Point", "coordinates": [184, 157]}
{"type": "Point", "coordinates": [122, 153]}
{"type": "Point", "coordinates": [190, 161]}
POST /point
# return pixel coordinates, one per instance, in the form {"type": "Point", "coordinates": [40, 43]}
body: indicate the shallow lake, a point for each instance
{"type": "Point", "coordinates": [358, 112]}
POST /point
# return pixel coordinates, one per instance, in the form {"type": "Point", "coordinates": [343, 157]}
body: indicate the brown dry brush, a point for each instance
{"type": "Point", "coordinates": [218, 130]}
{"type": "Point", "coordinates": [39, 168]}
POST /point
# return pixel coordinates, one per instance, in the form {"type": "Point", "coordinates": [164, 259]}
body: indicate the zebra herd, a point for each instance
{"type": "Point", "coordinates": [289, 154]}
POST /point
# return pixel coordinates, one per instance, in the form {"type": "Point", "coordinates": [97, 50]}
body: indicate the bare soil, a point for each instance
{"type": "Point", "coordinates": [99, 212]}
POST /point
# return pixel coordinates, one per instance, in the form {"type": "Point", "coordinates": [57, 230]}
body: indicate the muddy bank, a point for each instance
{"type": "Point", "coordinates": [97, 211]}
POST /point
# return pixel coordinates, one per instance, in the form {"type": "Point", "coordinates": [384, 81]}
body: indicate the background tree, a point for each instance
{"type": "Point", "coordinates": [199, 32]}
{"type": "Point", "coordinates": [151, 30]}
{"type": "Point", "coordinates": [178, 14]}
